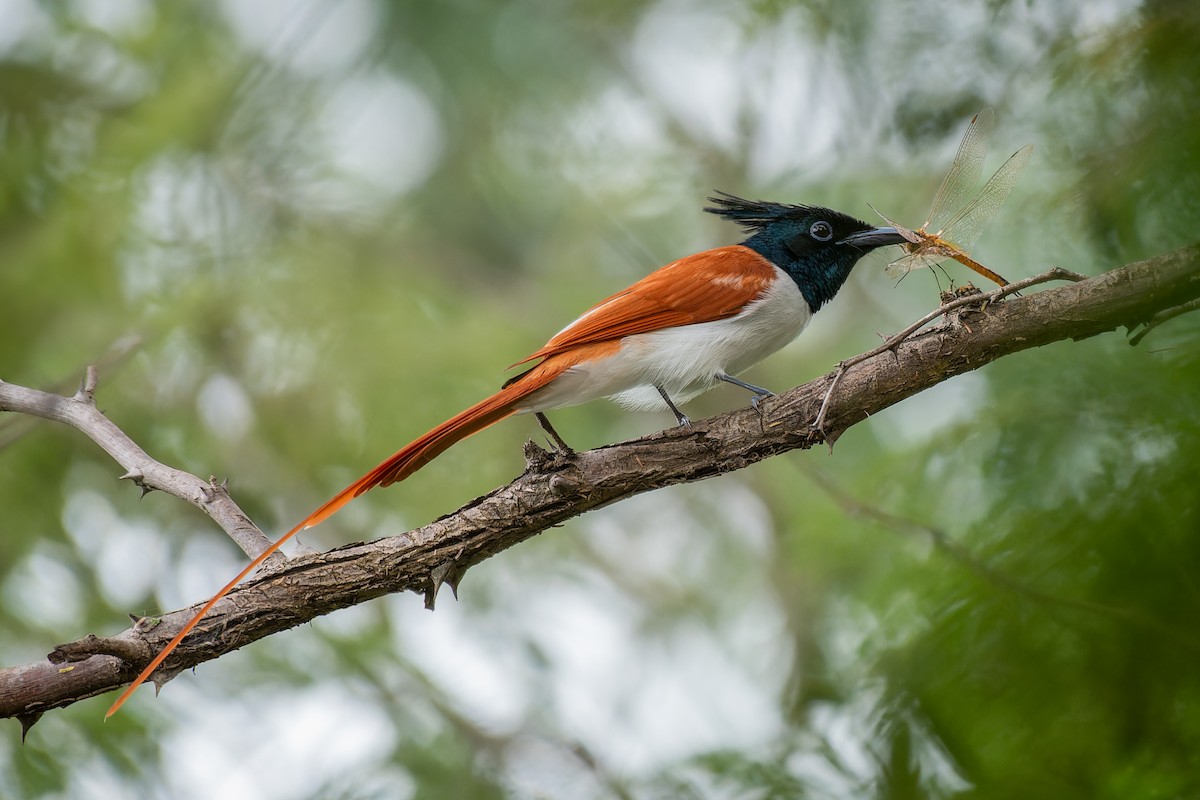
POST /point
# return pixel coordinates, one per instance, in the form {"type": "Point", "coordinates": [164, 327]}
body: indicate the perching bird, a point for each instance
{"type": "Point", "coordinates": [672, 335]}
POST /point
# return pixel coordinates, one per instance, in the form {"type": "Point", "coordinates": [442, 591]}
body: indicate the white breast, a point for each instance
{"type": "Point", "coordinates": [686, 360]}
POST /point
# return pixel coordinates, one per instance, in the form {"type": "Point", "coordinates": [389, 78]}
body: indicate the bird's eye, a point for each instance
{"type": "Point", "coordinates": [821, 230]}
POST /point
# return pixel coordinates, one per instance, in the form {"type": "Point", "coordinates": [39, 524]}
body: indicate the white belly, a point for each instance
{"type": "Point", "coordinates": [686, 360]}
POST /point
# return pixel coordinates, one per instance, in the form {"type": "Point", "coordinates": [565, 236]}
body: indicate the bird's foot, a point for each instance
{"type": "Point", "coordinates": [759, 397]}
{"type": "Point", "coordinates": [680, 417]}
{"type": "Point", "coordinates": [560, 445]}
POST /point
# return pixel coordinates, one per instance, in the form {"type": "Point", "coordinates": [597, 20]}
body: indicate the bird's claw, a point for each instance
{"type": "Point", "coordinates": [758, 398]}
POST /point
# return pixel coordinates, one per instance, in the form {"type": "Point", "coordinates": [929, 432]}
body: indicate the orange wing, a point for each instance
{"type": "Point", "coordinates": [704, 287]}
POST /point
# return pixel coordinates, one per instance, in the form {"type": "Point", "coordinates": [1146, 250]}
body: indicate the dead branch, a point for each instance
{"type": "Point", "coordinates": [80, 412]}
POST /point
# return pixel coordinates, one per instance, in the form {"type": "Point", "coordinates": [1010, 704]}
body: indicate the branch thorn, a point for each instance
{"type": "Point", "coordinates": [87, 388]}
{"type": "Point", "coordinates": [28, 721]}
{"type": "Point", "coordinates": [448, 573]}
{"type": "Point", "coordinates": [437, 576]}
{"type": "Point", "coordinates": [139, 479]}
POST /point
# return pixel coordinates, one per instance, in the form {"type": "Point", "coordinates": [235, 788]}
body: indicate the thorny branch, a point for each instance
{"type": "Point", "coordinates": [979, 299]}
{"type": "Point", "coordinates": [13, 428]}
{"type": "Point", "coordinates": [80, 412]}
{"type": "Point", "coordinates": [555, 488]}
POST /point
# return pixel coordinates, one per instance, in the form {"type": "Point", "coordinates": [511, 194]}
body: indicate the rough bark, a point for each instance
{"type": "Point", "coordinates": [554, 489]}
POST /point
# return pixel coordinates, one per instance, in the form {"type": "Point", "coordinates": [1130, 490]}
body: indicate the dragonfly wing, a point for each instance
{"type": "Point", "coordinates": [963, 175]}
{"type": "Point", "coordinates": [906, 264]}
{"type": "Point", "coordinates": [964, 230]}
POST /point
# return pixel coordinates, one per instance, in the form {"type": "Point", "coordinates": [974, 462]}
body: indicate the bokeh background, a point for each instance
{"type": "Point", "coordinates": [297, 234]}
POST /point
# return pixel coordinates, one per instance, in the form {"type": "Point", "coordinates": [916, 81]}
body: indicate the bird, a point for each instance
{"type": "Point", "coordinates": [667, 338]}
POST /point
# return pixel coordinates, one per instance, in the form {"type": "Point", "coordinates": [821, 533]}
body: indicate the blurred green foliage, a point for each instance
{"type": "Point", "coordinates": [298, 234]}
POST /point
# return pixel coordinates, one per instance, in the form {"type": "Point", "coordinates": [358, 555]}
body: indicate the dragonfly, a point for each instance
{"type": "Point", "coordinates": [955, 223]}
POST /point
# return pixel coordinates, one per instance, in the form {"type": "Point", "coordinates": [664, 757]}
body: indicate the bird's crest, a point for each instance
{"type": "Point", "coordinates": [753, 215]}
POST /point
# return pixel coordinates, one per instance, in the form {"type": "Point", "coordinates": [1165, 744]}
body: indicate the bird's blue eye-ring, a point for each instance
{"type": "Point", "coordinates": [821, 230]}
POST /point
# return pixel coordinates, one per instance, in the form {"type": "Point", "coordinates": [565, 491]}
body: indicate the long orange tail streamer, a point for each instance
{"type": "Point", "coordinates": [396, 468]}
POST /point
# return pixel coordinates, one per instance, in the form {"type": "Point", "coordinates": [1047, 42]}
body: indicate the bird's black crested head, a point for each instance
{"type": "Point", "coordinates": [816, 246]}
{"type": "Point", "coordinates": [753, 215]}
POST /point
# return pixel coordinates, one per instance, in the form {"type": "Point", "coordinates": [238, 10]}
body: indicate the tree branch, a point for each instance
{"type": "Point", "coordinates": [555, 488]}
{"type": "Point", "coordinates": [80, 412]}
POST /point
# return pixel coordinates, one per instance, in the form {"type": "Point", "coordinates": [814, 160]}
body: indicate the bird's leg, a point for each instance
{"type": "Point", "coordinates": [680, 417]}
{"type": "Point", "coordinates": [759, 392]}
{"type": "Point", "coordinates": [563, 447]}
